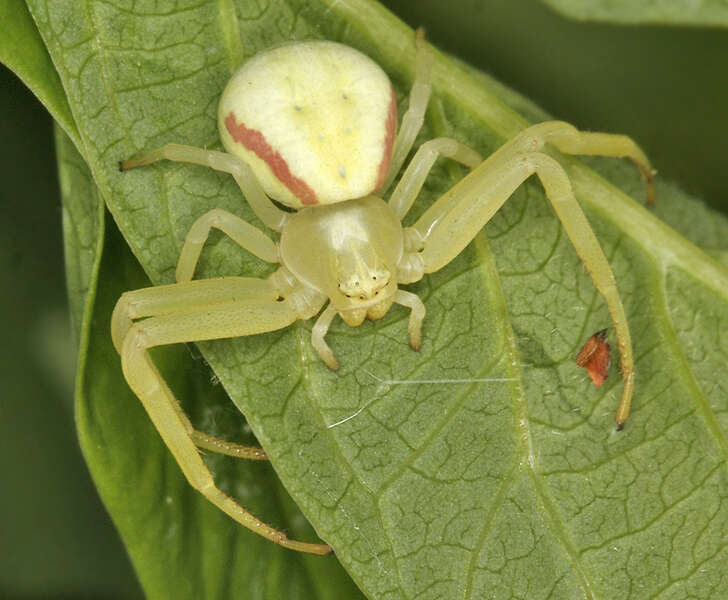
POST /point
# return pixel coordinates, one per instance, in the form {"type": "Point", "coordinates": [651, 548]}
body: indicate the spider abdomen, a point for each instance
{"type": "Point", "coordinates": [315, 120]}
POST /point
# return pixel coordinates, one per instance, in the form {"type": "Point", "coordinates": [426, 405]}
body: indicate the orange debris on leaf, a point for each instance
{"type": "Point", "coordinates": [595, 357]}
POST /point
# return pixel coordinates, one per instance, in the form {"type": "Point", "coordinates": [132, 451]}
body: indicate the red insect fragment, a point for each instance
{"type": "Point", "coordinates": [595, 357]}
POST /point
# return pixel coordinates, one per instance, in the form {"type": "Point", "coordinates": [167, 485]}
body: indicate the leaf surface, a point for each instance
{"type": "Point", "coordinates": [484, 465]}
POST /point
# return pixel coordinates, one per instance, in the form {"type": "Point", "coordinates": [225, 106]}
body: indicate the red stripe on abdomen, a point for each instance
{"type": "Point", "coordinates": [391, 129]}
{"type": "Point", "coordinates": [255, 141]}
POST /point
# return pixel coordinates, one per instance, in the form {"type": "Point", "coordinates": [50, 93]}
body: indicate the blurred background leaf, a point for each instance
{"type": "Point", "coordinates": [709, 13]}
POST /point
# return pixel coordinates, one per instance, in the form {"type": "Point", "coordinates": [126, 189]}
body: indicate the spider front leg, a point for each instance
{"type": "Point", "coordinates": [417, 315]}
{"type": "Point", "coordinates": [240, 231]}
{"type": "Point", "coordinates": [413, 178]}
{"type": "Point", "coordinates": [195, 311]}
{"type": "Point", "coordinates": [272, 216]}
{"type": "Point", "coordinates": [457, 216]}
{"type": "Point", "coordinates": [415, 116]}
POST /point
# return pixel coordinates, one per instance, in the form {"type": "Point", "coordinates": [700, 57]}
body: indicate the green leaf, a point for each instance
{"type": "Point", "coordinates": [23, 51]}
{"type": "Point", "coordinates": [499, 473]}
{"type": "Point", "coordinates": [675, 12]}
{"type": "Point", "coordinates": [83, 223]}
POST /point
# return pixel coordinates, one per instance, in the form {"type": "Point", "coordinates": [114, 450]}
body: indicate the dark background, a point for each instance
{"type": "Point", "coordinates": [664, 86]}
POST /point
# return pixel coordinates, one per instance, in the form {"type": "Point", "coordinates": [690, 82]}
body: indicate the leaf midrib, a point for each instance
{"type": "Point", "coordinates": [306, 380]}
{"type": "Point", "coordinates": [230, 27]}
{"type": "Point", "coordinates": [526, 456]}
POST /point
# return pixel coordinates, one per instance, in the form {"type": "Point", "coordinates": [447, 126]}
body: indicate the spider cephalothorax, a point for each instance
{"type": "Point", "coordinates": [312, 125]}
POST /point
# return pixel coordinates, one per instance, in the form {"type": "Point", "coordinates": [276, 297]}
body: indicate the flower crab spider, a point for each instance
{"type": "Point", "coordinates": [313, 125]}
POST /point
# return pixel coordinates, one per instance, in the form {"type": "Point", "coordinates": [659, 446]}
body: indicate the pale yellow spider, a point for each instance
{"type": "Point", "coordinates": [312, 125]}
